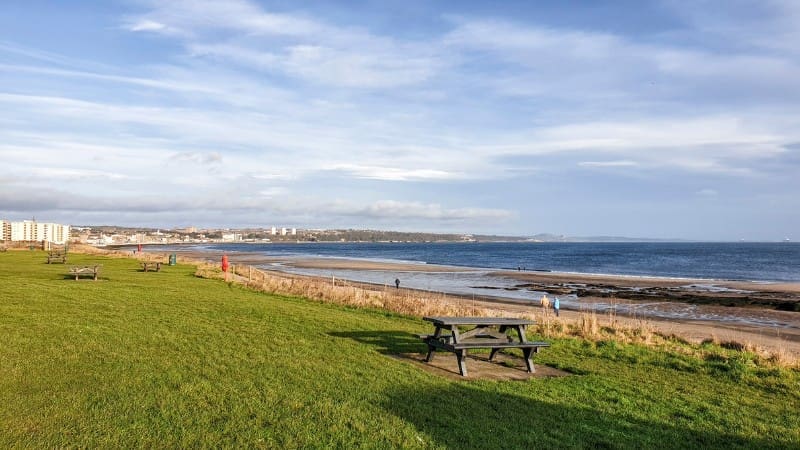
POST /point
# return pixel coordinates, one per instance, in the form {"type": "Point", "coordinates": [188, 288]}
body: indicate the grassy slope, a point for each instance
{"type": "Point", "coordinates": [167, 359]}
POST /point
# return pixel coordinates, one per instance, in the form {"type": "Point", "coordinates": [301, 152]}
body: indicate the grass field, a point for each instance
{"type": "Point", "coordinates": [166, 359]}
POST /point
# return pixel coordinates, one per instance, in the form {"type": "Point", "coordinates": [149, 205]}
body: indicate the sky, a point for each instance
{"type": "Point", "coordinates": [659, 119]}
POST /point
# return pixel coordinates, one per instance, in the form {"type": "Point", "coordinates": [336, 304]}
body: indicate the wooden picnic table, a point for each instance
{"type": "Point", "coordinates": [56, 256]}
{"type": "Point", "coordinates": [87, 271]}
{"type": "Point", "coordinates": [481, 332]}
{"type": "Point", "coordinates": [151, 265]}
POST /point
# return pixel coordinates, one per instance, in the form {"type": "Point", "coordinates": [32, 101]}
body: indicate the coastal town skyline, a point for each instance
{"type": "Point", "coordinates": [663, 119]}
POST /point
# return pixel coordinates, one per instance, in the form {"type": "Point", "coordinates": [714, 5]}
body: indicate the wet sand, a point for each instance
{"type": "Point", "coordinates": [784, 339]}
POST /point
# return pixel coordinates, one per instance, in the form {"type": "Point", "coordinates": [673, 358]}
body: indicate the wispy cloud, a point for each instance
{"type": "Point", "coordinates": [298, 46]}
{"type": "Point", "coordinates": [394, 173]}
{"type": "Point", "coordinates": [197, 158]}
{"type": "Point", "coordinates": [620, 163]}
{"type": "Point", "coordinates": [416, 210]}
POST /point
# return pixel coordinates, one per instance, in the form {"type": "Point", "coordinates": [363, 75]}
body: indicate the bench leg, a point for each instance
{"type": "Point", "coordinates": [528, 359]}
{"type": "Point", "coordinates": [431, 352]}
{"type": "Point", "coordinates": [461, 356]}
{"type": "Point", "coordinates": [494, 352]}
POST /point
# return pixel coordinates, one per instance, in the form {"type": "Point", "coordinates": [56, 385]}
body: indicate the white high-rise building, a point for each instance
{"type": "Point", "coordinates": [5, 230]}
{"type": "Point", "coordinates": [283, 231]}
{"type": "Point", "coordinates": [32, 231]}
{"type": "Point", "coordinates": [294, 231]}
{"type": "Point", "coordinates": [274, 231]}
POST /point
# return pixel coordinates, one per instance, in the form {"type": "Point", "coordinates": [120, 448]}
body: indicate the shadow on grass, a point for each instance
{"type": "Point", "coordinates": [461, 416]}
{"type": "Point", "coordinates": [386, 342]}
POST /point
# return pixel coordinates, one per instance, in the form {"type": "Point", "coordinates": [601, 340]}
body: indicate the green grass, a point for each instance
{"type": "Point", "coordinates": [166, 359]}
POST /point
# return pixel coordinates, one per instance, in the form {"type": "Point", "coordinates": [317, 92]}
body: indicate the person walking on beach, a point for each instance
{"type": "Point", "coordinates": [397, 283]}
{"type": "Point", "coordinates": [545, 303]}
{"type": "Point", "coordinates": [556, 305]}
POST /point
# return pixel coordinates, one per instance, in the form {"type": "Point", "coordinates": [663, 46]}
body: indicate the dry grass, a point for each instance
{"type": "Point", "coordinates": [402, 301]}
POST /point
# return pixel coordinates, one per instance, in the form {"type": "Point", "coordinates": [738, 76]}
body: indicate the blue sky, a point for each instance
{"type": "Point", "coordinates": [644, 119]}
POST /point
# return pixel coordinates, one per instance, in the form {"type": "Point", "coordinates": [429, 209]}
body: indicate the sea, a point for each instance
{"type": "Point", "coordinates": [768, 262]}
{"type": "Point", "coordinates": [701, 264]}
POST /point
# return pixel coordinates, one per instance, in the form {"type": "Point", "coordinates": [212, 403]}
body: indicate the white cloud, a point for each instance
{"type": "Point", "coordinates": [197, 158]}
{"type": "Point", "coordinates": [390, 209]}
{"type": "Point", "coordinates": [620, 163]}
{"type": "Point", "coordinates": [395, 174]}
{"type": "Point", "coordinates": [270, 202]}
{"type": "Point", "coordinates": [308, 49]}
{"type": "Point", "coordinates": [193, 16]}
{"type": "Point", "coordinates": [147, 25]}
{"type": "Point", "coordinates": [66, 174]}
{"type": "Point", "coordinates": [598, 70]}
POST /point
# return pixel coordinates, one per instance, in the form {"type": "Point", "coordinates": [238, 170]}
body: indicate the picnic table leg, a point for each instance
{"type": "Point", "coordinates": [431, 349]}
{"type": "Point", "coordinates": [503, 329]}
{"type": "Point", "coordinates": [461, 356]}
{"type": "Point", "coordinates": [431, 352]}
{"type": "Point", "coordinates": [521, 332]}
{"type": "Point", "coordinates": [528, 360]}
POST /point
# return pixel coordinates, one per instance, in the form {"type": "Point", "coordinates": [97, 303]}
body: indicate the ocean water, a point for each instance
{"type": "Point", "coordinates": [759, 262]}
{"type": "Point", "coordinates": [769, 262]}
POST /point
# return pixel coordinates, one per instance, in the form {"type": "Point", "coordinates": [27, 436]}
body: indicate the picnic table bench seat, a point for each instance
{"type": "Point", "coordinates": [85, 271]}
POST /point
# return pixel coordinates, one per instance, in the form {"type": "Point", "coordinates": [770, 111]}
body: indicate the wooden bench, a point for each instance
{"type": "Point", "coordinates": [487, 332]}
{"type": "Point", "coordinates": [85, 271]}
{"type": "Point", "coordinates": [150, 265]}
{"type": "Point", "coordinates": [461, 350]}
{"type": "Point", "coordinates": [56, 257]}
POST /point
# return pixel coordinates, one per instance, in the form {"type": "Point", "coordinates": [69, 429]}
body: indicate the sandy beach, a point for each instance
{"type": "Point", "coordinates": [707, 297]}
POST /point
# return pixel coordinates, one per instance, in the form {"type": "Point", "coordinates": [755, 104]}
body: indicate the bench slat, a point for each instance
{"type": "Point", "coordinates": [501, 345]}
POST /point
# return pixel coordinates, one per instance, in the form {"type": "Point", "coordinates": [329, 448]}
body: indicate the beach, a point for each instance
{"type": "Point", "coordinates": [659, 306]}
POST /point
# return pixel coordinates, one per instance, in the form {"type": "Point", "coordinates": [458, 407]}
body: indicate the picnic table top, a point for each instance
{"type": "Point", "coordinates": [90, 267]}
{"type": "Point", "coordinates": [449, 321]}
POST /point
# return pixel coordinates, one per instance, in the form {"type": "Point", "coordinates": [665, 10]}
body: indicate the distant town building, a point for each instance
{"type": "Point", "coordinates": [231, 237]}
{"type": "Point", "coordinates": [274, 231]}
{"type": "Point", "coordinates": [32, 231]}
{"type": "Point", "coordinates": [294, 231]}
{"type": "Point", "coordinates": [283, 231]}
{"type": "Point", "coordinates": [5, 230]}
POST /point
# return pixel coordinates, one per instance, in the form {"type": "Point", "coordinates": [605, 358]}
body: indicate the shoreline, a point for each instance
{"type": "Point", "coordinates": [323, 261]}
{"type": "Point", "coordinates": [591, 288]}
{"type": "Point", "coordinates": [784, 339]}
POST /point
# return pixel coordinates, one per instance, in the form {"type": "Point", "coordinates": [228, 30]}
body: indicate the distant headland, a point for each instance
{"type": "Point", "coordinates": [121, 235]}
